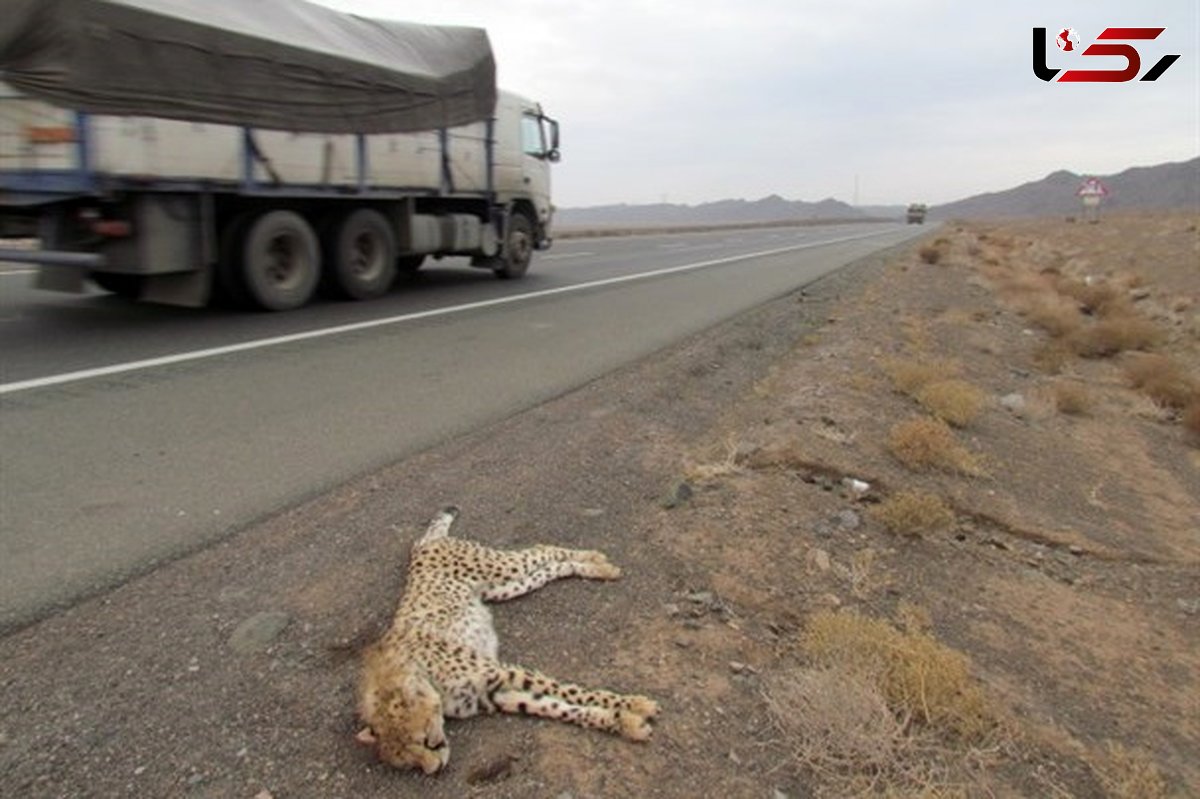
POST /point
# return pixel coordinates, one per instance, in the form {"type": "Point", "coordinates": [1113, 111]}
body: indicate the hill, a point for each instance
{"type": "Point", "coordinates": [1171, 185]}
{"type": "Point", "coordinates": [722, 212]}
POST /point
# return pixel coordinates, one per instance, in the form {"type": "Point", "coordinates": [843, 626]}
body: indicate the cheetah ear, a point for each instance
{"type": "Point", "coordinates": [366, 737]}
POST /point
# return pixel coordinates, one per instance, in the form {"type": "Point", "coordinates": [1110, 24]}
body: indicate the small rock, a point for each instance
{"type": "Point", "coordinates": [1139, 294]}
{"type": "Point", "coordinates": [671, 609]}
{"type": "Point", "coordinates": [682, 644]}
{"type": "Point", "coordinates": [830, 600]}
{"type": "Point", "coordinates": [737, 667]}
{"type": "Point", "coordinates": [592, 513]}
{"type": "Point", "coordinates": [1013, 402]}
{"type": "Point", "coordinates": [733, 758]}
{"type": "Point", "coordinates": [1075, 549]}
{"type": "Point", "coordinates": [1189, 606]}
{"type": "Point", "coordinates": [849, 520]}
{"type": "Point", "coordinates": [778, 794]}
{"type": "Point", "coordinates": [855, 487]}
{"type": "Point", "coordinates": [496, 771]}
{"type": "Point", "coordinates": [824, 530]}
{"type": "Point", "coordinates": [264, 794]}
{"type": "Point", "coordinates": [139, 771]}
{"type": "Point", "coordinates": [819, 559]}
{"type": "Point", "coordinates": [258, 632]}
{"type": "Point", "coordinates": [702, 598]}
{"type": "Point", "coordinates": [678, 494]}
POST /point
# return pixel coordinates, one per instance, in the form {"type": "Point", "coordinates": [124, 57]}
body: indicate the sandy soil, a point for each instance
{"type": "Point", "coordinates": [717, 474]}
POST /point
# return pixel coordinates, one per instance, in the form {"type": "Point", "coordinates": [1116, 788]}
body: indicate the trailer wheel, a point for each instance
{"type": "Point", "coordinates": [513, 261]}
{"type": "Point", "coordinates": [281, 261]}
{"type": "Point", "coordinates": [361, 257]}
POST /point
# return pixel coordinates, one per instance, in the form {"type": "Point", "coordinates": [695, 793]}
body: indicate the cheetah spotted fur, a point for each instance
{"type": "Point", "coordinates": [439, 658]}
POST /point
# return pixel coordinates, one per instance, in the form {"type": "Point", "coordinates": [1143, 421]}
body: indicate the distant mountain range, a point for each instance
{"type": "Point", "coordinates": [1172, 185]}
{"type": "Point", "coordinates": [723, 212]}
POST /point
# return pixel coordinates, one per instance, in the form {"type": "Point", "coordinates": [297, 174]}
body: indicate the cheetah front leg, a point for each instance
{"type": "Point", "coordinates": [526, 692]}
{"type": "Point", "coordinates": [518, 573]}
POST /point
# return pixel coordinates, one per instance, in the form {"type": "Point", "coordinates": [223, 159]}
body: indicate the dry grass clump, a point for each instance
{"type": "Point", "coordinates": [1099, 298]}
{"type": "Point", "coordinates": [925, 683]}
{"type": "Point", "coordinates": [912, 513]}
{"type": "Point", "coordinates": [923, 443]}
{"type": "Point", "coordinates": [1115, 334]}
{"type": "Point", "coordinates": [1054, 315]}
{"type": "Point", "coordinates": [930, 254]}
{"type": "Point", "coordinates": [955, 402]}
{"type": "Point", "coordinates": [908, 375]}
{"type": "Point", "coordinates": [835, 722]}
{"type": "Point", "coordinates": [1072, 398]}
{"type": "Point", "coordinates": [1130, 774]}
{"type": "Point", "coordinates": [1162, 379]}
{"type": "Point", "coordinates": [1052, 357]}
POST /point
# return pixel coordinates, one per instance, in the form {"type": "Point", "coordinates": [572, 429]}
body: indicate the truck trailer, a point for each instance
{"type": "Point", "coordinates": [180, 150]}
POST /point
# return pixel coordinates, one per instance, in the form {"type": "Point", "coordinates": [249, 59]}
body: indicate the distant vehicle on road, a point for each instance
{"type": "Point", "coordinates": [173, 150]}
{"type": "Point", "coordinates": [916, 214]}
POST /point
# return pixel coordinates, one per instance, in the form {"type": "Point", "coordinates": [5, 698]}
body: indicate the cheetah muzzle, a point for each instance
{"type": "Point", "coordinates": [439, 658]}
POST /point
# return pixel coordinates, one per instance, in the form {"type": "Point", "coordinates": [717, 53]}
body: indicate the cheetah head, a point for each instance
{"type": "Point", "coordinates": [404, 722]}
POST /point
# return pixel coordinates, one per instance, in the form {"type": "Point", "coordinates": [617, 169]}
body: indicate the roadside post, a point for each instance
{"type": "Point", "coordinates": [1091, 193]}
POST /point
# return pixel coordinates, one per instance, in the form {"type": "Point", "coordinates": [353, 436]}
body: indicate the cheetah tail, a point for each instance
{"type": "Point", "coordinates": [439, 525]}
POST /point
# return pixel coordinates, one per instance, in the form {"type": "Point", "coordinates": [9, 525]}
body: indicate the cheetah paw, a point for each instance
{"type": "Point", "coordinates": [635, 726]}
{"type": "Point", "coordinates": [643, 706]}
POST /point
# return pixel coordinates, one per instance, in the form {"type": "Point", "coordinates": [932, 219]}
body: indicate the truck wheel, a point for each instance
{"type": "Point", "coordinates": [361, 262]}
{"type": "Point", "coordinates": [281, 261]}
{"type": "Point", "coordinates": [514, 260]}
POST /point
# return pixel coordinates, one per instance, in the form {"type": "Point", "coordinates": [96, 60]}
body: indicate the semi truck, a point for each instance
{"type": "Point", "coordinates": [916, 213]}
{"type": "Point", "coordinates": [180, 150]}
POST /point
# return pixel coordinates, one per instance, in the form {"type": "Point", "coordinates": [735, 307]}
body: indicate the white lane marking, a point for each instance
{"type": "Point", "coordinates": [275, 341]}
{"type": "Point", "coordinates": [564, 255]}
{"type": "Point", "coordinates": [10, 272]}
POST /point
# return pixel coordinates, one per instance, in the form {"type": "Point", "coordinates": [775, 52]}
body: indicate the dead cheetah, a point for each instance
{"type": "Point", "coordinates": [439, 657]}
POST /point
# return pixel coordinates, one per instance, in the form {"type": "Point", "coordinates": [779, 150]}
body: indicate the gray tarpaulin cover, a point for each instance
{"type": "Point", "coordinates": [284, 64]}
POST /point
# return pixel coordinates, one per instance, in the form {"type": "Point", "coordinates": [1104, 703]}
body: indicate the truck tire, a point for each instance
{"type": "Point", "coordinates": [514, 258]}
{"type": "Point", "coordinates": [360, 260]}
{"type": "Point", "coordinates": [280, 261]}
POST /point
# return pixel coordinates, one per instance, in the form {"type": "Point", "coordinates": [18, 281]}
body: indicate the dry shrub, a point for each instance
{"type": "Point", "coordinates": [1072, 399]}
{"type": "Point", "coordinates": [955, 402]}
{"type": "Point", "coordinates": [913, 513]}
{"type": "Point", "coordinates": [930, 254]}
{"type": "Point", "coordinates": [1130, 774]}
{"type": "Point", "coordinates": [1054, 315]}
{"type": "Point", "coordinates": [924, 682]}
{"type": "Point", "coordinates": [835, 722]}
{"type": "Point", "coordinates": [923, 443]}
{"type": "Point", "coordinates": [1162, 379]}
{"type": "Point", "coordinates": [1115, 334]}
{"type": "Point", "coordinates": [1099, 298]}
{"type": "Point", "coordinates": [909, 375]}
{"type": "Point", "coordinates": [1052, 356]}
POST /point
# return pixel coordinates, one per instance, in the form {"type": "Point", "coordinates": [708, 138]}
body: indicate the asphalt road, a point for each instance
{"type": "Point", "coordinates": [131, 434]}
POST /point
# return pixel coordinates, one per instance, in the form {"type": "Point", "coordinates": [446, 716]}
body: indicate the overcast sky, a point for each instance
{"type": "Point", "coordinates": [690, 101]}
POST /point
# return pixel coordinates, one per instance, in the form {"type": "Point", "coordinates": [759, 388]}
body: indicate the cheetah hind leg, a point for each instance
{"type": "Point", "coordinates": [518, 573]}
{"type": "Point", "coordinates": [531, 693]}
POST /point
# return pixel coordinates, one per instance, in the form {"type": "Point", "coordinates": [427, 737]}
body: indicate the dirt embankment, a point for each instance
{"type": "Point", "coordinates": [927, 529]}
